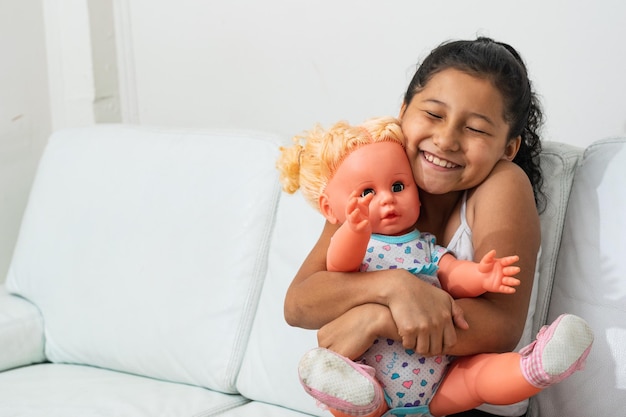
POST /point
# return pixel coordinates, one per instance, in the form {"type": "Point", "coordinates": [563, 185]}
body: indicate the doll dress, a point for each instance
{"type": "Point", "coordinates": [409, 380]}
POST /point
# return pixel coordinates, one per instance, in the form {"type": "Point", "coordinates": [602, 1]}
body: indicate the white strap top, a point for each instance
{"type": "Point", "coordinates": [461, 243]}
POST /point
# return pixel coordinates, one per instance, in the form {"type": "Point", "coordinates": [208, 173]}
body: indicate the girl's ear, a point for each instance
{"type": "Point", "coordinates": [326, 210]}
{"type": "Point", "coordinates": [511, 148]}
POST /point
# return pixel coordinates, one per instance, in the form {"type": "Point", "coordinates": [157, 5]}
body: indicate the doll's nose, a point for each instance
{"type": "Point", "coordinates": [386, 197]}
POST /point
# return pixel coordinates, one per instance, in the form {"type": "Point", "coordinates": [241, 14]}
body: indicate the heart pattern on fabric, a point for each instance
{"type": "Point", "coordinates": [407, 378]}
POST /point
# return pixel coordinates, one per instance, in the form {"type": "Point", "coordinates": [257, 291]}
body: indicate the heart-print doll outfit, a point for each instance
{"type": "Point", "coordinates": [408, 379]}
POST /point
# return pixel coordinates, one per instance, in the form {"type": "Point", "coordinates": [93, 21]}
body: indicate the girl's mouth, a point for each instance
{"type": "Point", "coordinates": [435, 160]}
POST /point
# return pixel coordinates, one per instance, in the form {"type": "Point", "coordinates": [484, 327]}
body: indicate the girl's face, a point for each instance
{"type": "Point", "coordinates": [383, 170]}
{"type": "Point", "coordinates": [455, 132]}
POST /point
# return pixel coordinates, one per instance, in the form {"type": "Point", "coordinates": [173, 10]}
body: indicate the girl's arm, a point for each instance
{"type": "Point", "coordinates": [422, 313]}
{"type": "Point", "coordinates": [352, 333]}
{"type": "Point", "coordinates": [503, 216]}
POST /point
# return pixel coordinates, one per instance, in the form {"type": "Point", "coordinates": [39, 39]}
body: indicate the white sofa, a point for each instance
{"type": "Point", "coordinates": [151, 266]}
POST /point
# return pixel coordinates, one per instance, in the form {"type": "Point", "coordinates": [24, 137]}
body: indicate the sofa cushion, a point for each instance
{"type": "Point", "coordinates": [260, 409]}
{"type": "Point", "coordinates": [139, 260]}
{"type": "Point", "coordinates": [590, 282]}
{"type": "Point", "coordinates": [59, 390]}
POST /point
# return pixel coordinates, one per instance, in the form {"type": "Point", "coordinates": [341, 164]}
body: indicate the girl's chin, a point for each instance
{"type": "Point", "coordinates": [434, 189]}
{"type": "Point", "coordinates": [436, 181]}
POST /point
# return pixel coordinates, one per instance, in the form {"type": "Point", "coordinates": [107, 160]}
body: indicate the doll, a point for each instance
{"type": "Point", "coordinates": [360, 177]}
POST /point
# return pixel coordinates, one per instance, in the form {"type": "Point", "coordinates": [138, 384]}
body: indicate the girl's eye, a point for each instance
{"type": "Point", "coordinates": [397, 187]}
{"type": "Point", "coordinates": [476, 130]}
{"type": "Point", "coordinates": [368, 191]}
{"type": "Point", "coordinates": [433, 115]}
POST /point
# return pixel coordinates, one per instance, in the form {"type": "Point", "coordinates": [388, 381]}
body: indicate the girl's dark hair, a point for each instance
{"type": "Point", "coordinates": [501, 64]}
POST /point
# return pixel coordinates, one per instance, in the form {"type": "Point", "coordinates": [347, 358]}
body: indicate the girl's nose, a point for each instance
{"type": "Point", "coordinates": [446, 138]}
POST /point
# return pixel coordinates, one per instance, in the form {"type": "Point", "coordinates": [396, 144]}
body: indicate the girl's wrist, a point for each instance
{"type": "Point", "coordinates": [383, 324]}
{"type": "Point", "coordinates": [396, 284]}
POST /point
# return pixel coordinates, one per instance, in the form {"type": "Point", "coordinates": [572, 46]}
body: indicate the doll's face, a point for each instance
{"type": "Point", "coordinates": [382, 169]}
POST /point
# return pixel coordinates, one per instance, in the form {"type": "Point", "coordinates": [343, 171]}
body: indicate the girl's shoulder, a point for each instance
{"type": "Point", "coordinates": [505, 178]}
{"type": "Point", "coordinates": [505, 191]}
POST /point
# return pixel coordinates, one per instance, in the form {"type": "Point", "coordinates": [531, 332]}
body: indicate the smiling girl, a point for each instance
{"type": "Point", "coordinates": [471, 120]}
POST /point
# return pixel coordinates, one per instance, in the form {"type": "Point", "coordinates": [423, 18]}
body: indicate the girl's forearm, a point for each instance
{"type": "Point", "coordinates": [323, 296]}
{"type": "Point", "coordinates": [493, 326]}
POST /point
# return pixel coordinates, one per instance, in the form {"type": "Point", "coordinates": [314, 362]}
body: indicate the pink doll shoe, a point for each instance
{"type": "Point", "coordinates": [560, 350]}
{"type": "Point", "coordinates": [339, 383]}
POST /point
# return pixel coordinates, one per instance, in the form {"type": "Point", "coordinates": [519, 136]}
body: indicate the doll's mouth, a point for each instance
{"type": "Point", "coordinates": [392, 215]}
{"type": "Point", "coordinates": [435, 160]}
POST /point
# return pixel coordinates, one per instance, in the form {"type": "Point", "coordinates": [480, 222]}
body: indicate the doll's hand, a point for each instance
{"type": "Point", "coordinates": [498, 273]}
{"type": "Point", "coordinates": [358, 211]}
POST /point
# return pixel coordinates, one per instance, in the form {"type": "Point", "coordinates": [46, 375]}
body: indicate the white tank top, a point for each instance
{"type": "Point", "coordinates": [462, 247]}
{"type": "Point", "coordinates": [461, 242]}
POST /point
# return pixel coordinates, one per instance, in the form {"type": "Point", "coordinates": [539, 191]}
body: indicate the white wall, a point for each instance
{"type": "Point", "coordinates": [24, 112]}
{"type": "Point", "coordinates": [283, 65]}
{"type": "Point", "coordinates": [82, 70]}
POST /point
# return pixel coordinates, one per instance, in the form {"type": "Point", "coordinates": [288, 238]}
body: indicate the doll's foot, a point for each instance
{"type": "Point", "coordinates": [560, 350]}
{"type": "Point", "coordinates": [339, 383]}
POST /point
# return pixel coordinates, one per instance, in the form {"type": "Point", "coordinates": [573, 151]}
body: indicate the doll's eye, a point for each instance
{"type": "Point", "coordinates": [397, 187]}
{"type": "Point", "coordinates": [368, 191]}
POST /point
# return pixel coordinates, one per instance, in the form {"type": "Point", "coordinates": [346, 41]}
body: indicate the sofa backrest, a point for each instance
{"type": "Point", "coordinates": [558, 164]}
{"type": "Point", "coordinates": [146, 249]}
{"type": "Point", "coordinates": [590, 281]}
{"type": "Point", "coordinates": [269, 371]}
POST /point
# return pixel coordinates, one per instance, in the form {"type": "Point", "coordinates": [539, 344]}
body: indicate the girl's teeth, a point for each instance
{"type": "Point", "coordinates": [440, 162]}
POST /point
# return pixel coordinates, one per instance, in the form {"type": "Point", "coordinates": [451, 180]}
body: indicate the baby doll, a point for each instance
{"type": "Point", "coordinates": [360, 178]}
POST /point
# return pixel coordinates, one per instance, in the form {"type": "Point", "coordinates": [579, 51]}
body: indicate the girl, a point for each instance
{"type": "Point", "coordinates": [471, 123]}
{"type": "Point", "coordinates": [360, 177]}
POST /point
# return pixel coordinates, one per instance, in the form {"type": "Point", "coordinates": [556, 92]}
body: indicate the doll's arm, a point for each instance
{"type": "Point", "coordinates": [349, 243]}
{"type": "Point", "coordinates": [470, 279]}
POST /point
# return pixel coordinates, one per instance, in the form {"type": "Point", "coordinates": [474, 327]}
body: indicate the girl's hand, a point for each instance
{"type": "Point", "coordinates": [425, 316]}
{"type": "Point", "coordinates": [352, 333]}
{"type": "Point", "coordinates": [429, 334]}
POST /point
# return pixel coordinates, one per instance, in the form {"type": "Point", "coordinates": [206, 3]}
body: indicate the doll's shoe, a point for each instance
{"type": "Point", "coordinates": [339, 383]}
{"type": "Point", "coordinates": [560, 350]}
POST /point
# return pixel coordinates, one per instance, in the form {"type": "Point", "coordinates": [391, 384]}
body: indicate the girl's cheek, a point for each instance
{"type": "Point", "coordinates": [411, 151]}
{"type": "Point", "coordinates": [413, 142]}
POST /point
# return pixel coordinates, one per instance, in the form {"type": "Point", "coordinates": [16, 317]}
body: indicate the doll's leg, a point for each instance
{"type": "Point", "coordinates": [473, 380]}
{"type": "Point", "coordinates": [559, 351]}
{"type": "Point", "coordinates": [340, 384]}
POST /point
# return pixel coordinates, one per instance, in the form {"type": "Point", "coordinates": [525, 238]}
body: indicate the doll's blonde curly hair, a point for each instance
{"type": "Point", "coordinates": [314, 157]}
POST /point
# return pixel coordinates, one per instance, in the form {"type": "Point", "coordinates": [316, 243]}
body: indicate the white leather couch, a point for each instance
{"type": "Point", "coordinates": [151, 266]}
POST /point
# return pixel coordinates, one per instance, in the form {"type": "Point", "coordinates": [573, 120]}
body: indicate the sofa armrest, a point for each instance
{"type": "Point", "coordinates": [21, 332]}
